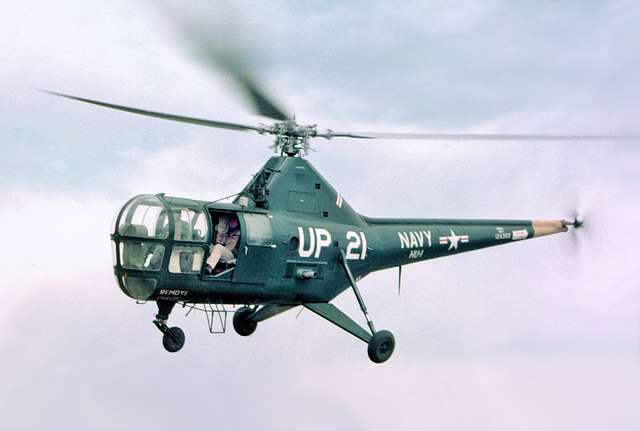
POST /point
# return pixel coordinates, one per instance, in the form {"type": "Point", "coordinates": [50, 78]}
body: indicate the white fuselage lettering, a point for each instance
{"type": "Point", "coordinates": [415, 239]}
{"type": "Point", "coordinates": [314, 239]}
{"type": "Point", "coordinates": [319, 238]}
{"type": "Point", "coordinates": [172, 292]}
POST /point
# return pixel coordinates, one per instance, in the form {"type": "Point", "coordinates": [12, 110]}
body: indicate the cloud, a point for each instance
{"type": "Point", "coordinates": [540, 334]}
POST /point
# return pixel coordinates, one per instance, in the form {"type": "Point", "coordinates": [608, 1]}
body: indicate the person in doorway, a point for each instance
{"type": "Point", "coordinates": [226, 242]}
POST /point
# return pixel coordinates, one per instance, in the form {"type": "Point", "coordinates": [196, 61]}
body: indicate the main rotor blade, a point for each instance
{"type": "Point", "coordinates": [223, 50]}
{"type": "Point", "coordinates": [476, 136]}
{"type": "Point", "coordinates": [262, 104]}
{"type": "Point", "coordinates": [171, 117]}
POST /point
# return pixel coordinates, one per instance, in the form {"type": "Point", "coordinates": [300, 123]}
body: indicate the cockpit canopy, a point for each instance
{"type": "Point", "coordinates": [148, 217]}
{"type": "Point", "coordinates": [147, 227]}
{"type": "Point", "coordinates": [155, 237]}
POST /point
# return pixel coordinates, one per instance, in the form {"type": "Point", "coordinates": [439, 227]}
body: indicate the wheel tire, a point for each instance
{"type": "Point", "coordinates": [241, 322]}
{"type": "Point", "coordinates": [173, 339]}
{"type": "Point", "coordinates": [381, 346]}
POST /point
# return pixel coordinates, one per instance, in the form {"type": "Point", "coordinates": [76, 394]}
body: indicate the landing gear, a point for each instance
{"type": "Point", "coordinates": [381, 346]}
{"type": "Point", "coordinates": [172, 338]}
{"type": "Point", "coordinates": [242, 323]}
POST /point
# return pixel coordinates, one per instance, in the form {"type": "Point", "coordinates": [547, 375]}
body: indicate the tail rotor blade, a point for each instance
{"type": "Point", "coordinates": [579, 230]}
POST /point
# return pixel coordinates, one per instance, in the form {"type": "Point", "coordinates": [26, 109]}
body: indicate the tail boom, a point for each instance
{"type": "Point", "coordinates": [404, 241]}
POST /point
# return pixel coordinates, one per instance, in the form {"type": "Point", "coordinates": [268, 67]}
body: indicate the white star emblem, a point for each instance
{"type": "Point", "coordinates": [453, 240]}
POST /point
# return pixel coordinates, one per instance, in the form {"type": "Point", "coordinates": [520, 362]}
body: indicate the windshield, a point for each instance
{"type": "Point", "coordinates": [191, 224]}
{"type": "Point", "coordinates": [144, 217]}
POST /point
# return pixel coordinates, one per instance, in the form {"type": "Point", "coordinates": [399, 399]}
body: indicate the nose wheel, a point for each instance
{"type": "Point", "coordinates": [172, 338]}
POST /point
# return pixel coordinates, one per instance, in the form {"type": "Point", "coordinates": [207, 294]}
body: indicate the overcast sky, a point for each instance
{"type": "Point", "coordinates": [543, 334]}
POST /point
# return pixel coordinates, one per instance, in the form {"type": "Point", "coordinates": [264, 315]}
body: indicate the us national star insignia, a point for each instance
{"type": "Point", "coordinates": [453, 240]}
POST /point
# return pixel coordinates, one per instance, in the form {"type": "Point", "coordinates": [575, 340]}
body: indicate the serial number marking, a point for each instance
{"type": "Point", "coordinates": [501, 234]}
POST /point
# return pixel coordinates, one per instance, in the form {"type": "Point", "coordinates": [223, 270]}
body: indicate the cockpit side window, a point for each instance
{"type": "Point", "coordinates": [190, 224]}
{"type": "Point", "coordinates": [140, 255]}
{"type": "Point", "coordinates": [186, 259]}
{"type": "Point", "coordinates": [259, 230]}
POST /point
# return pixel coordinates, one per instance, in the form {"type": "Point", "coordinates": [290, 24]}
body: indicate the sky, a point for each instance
{"type": "Point", "coordinates": [543, 334]}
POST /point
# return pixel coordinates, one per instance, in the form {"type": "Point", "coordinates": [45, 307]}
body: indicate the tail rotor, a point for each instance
{"type": "Point", "coordinates": [577, 231]}
{"type": "Point", "coordinates": [577, 221]}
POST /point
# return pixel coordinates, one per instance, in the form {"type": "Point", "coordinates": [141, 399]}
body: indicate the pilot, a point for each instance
{"type": "Point", "coordinates": [227, 238]}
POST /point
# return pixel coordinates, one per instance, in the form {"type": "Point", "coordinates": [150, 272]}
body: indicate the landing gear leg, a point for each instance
{"type": "Point", "coordinates": [172, 338]}
{"type": "Point", "coordinates": [382, 343]}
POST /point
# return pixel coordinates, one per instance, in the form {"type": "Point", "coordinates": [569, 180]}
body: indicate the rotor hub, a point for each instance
{"type": "Point", "coordinates": [292, 138]}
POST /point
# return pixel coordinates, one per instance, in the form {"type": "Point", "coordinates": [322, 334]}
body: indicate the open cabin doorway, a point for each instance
{"type": "Point", "coordinates": [225, 242]}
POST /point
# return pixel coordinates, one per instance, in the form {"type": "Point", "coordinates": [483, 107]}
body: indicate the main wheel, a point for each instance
{"type": "Point", "coordinates": [241, 322]}
{"type": "Point", "coordinates": [173, 339]}
{"type": "Point", "coordinates": [381, 346]}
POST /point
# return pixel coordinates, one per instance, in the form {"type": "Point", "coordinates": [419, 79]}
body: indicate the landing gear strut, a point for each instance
{"type": "Point", "coordinates": [172, 338]}
{"type": "Point", "coordinates": [380, 344]}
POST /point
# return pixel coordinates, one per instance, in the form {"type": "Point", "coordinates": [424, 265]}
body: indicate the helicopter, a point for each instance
{"type": "Point", "coordinates": [288, 239]}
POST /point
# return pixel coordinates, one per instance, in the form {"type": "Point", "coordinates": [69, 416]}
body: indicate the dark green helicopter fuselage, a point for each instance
{"type": "Point", "coordinates": [295, 229]}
